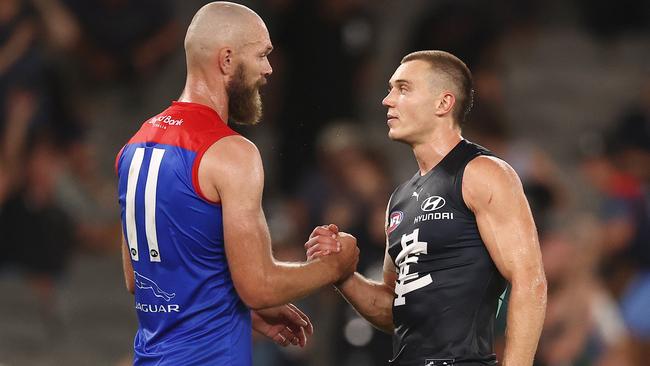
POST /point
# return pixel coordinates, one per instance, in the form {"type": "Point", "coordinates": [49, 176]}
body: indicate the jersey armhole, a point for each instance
{"type": "Point", "coordinates": [197, 163]}
{"type": "Point", "coordinates": [387, 216]}
{"type": "Point", "coordinates": [459, 180]}
{"type": "Point", "coordinates": [386, 226]}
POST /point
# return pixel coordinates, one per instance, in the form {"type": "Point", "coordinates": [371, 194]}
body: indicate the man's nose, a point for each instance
{"type": "Point", "coordinates": [388, 101]}
{"type": "Point", "coordinates": [268, 70]}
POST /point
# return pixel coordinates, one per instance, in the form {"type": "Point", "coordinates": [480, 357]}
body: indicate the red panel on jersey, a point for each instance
{"type": "Point", "coordinates": [186, 125]}
{"type": "Point", "coordinates": [191, 126]}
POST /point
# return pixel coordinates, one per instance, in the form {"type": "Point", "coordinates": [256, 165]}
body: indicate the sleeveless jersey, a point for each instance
{"type": "Point", "coordinates": [447, 291]}
{"type": "Point", "coordinates": [188, 310]}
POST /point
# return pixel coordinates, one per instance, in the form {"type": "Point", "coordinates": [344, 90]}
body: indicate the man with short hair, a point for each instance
{"type": "Point", "coordinates": [456, 232]}
{"type": "Point", "coordinates": [197, 251]}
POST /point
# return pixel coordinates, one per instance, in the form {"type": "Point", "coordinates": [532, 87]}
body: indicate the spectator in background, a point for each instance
{"type": "Point", "coordinates": [583, 323]}
{"type": "Point", "coordinates": [19, 58]}
{"type": "Point", "coordinates": [624, 226]}
{"type": "Point", "coordinates": [32, 93]}
{"type": "Point", "coordinates": [36, 128]}
{"type": "Point", "coordinates": [350, 187]}
{"type": "Point", "coordinates": [539, 174]}
{"type": "Point", "coordinates": [336, 177]}
{"type": "Point", "coordinates": [124, 40]}
{"type": "Point", "coordinates": [457, 27]}
{"type": "Point", "coordinates": [472, 30]}
{"type": "Point", "coordinates": [36, 99]}
{"type": "Point", "coordinates": [631, 140]}
{"type": "Point", "coordinates": [330, 41]}
{"type": "Point", "coordinates": [37, 236]}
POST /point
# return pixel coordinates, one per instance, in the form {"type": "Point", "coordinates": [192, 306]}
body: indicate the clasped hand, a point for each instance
{"type": "Point", "coordinates": [338, 248]}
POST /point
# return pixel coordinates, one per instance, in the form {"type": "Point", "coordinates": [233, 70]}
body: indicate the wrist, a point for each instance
{"type": "Point", "coordinates": [343, 281]}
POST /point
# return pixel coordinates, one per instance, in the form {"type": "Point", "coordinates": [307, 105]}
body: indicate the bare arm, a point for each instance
{"type": "Point", "coordinates": [285, 324]}
{"type": "Point", "coordinates": [21, 109]}
{"type": "Point", "coordinates": [231, 172]}
{"type": "Point", "coordinates": [127, 267]}
{"type": "Point", "coordinates": [61, 26]}
{"type": "Point", "coordinates": [494, 193]}
{"type": "Point", "coordinates": [373, 300]}
{"type": "Point", "coordinates": [17, 44]}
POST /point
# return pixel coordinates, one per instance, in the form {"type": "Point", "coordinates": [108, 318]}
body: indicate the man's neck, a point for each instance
{"type": "Point", "coordinates": [429, 153]}
{"type": "Point", "coordinates": [200, 89]}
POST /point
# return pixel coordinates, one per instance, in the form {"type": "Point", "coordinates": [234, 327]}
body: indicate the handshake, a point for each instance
{"type": "Point", "coordinates": [338, 249]}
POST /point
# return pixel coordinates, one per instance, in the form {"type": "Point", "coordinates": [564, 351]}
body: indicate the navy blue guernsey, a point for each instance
{"type": "Point", "coordinates": [447, 292]}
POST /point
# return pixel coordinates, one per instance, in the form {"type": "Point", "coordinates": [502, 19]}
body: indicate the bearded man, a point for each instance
{"type": "Point", "coordinates": [196, 247]}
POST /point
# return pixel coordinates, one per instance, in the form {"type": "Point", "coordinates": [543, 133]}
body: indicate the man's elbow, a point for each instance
{"type": "Point", "coordinates": [533, 285]}
{"type": "Point", "coordinates": [256, 295]}
{"type": "Point", "coordinates": [257, 299]}
{"type": "Point", "coordinates": [387, 327]}
{"type": "Point", "coordinates": [541, 288]}
{"type": "Point", "coordinates": [539, 285]}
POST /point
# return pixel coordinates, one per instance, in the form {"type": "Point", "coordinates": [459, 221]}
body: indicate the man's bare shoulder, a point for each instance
{"type": "Point", "coordinates": [486, 175]}
{"type": "Point", "coordinates": [232, 147]}
{"type": "Point", "coordinates": [231, 164]}
{"type": "Point", "coordinates": [484, 165]}
{"type": "Point", "coordinates": [231, 152]}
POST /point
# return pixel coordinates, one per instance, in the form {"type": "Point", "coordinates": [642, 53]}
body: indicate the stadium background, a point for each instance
{"type": "Point", "coordinates": [563, 95]}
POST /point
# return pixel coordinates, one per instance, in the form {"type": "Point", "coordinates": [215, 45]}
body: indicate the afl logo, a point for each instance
{"type": "Point", "coordinates": [433, 203]}
{"type": "Point", "coordinates": [394, 221]}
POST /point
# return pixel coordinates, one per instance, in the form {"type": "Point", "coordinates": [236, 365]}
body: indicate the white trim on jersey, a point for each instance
{"type": "Point", "coordinates": [150, 204]}
{"type": "Point", "coordinates": [131, 185]}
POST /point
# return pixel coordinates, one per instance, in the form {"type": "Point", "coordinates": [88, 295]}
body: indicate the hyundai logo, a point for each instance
{"type": "Point", "coordinates": [432, 203]}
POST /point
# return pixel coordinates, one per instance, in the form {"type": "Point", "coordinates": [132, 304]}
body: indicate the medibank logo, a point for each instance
{"type": "Point", "coordinates": [168, 120]}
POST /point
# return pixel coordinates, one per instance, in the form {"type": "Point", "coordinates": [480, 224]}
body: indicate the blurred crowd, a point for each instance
{"type": "Point", "coordinates": [53, 200]}
{"type": "Point", "coordinates": [60, 58]}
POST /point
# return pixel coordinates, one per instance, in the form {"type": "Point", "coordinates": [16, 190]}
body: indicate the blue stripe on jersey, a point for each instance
{"type": "Point", "coordinates": [188, 310]}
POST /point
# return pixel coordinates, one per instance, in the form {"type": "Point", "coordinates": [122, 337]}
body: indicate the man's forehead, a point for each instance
{"type": "Point", "coordinates": [259, 37]}
{"type": "Point", "coordinates": [410, 72]}
{"type": "Point", "coordinates": [260, 44]}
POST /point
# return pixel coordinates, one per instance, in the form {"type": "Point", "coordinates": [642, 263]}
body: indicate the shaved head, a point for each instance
{"type": "Point", "coordinates": [226, 47]}
{"type": "Point", "coordinates": [221, 24]}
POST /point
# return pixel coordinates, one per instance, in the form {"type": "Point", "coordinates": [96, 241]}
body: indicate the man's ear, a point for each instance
{"type": "Point", "coordinates": [445, 103]}
{"type": "Point", "coordinates": [225, 60]}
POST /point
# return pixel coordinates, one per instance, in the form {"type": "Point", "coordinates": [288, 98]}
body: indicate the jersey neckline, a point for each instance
{"type": "Point", "coordinates": [197, 106]}
{"type": "Point", "coordinates": [442, 161]}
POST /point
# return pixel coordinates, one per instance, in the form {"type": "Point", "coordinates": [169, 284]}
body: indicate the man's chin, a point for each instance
{"type": "Point", "coordinates": [393, 135]}
{"type": "Point", "coordinates": [398, 138]}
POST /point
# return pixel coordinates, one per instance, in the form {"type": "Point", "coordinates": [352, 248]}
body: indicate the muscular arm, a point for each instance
{"type": "Point", "coordinates": [373, 300]}
{"type": "Point", "coordinates": [494, 193]}
{"type": "Point", "coordinates": [231, 172]}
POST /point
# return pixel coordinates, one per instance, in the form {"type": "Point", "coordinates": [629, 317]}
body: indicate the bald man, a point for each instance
{"type": "Point", "coordinates": [196, 249]}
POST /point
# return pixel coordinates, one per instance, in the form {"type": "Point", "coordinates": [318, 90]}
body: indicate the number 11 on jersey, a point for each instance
{"type": "Point", "coordinates": [151, 185]}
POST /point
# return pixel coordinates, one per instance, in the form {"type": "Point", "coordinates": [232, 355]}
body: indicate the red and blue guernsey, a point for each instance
{"type": "Point", "coordinates": [188, 310]}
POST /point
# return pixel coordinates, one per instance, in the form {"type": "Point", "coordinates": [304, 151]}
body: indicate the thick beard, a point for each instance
{"type": "Point", "coordinates": [244, 101]}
